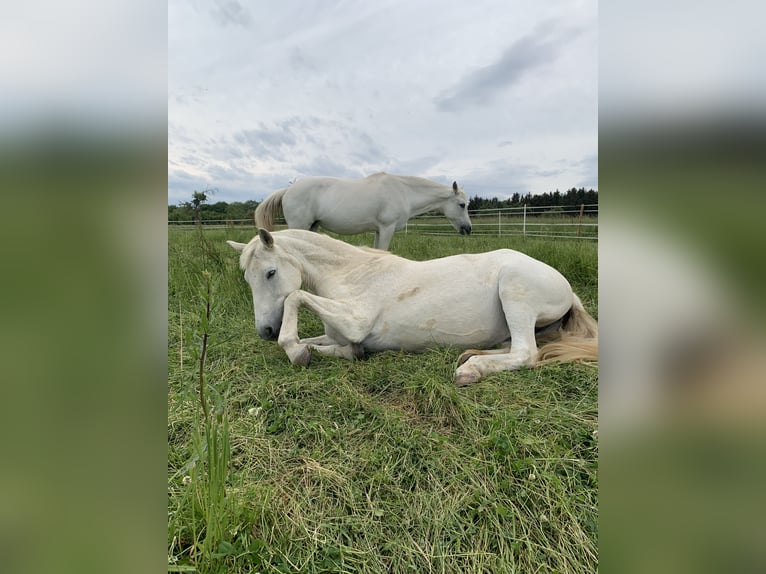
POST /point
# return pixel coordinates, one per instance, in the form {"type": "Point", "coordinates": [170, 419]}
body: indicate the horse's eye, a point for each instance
{"type": "Point", "coordinates": [270, 273]}
{"type": "Point", "coordinates": [462, 206]}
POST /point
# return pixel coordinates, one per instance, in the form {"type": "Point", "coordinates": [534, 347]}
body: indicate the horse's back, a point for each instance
{"type": "Point", "coordinates": [462, 299]}
{"type": "Point", "coordinates": [519, 279]}
{"type": "Point", "coordinates": [339, 205]}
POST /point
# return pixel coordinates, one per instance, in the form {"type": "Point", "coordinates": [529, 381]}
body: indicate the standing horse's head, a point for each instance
{"type": "Point", "coordinates": [455, 208]}
{"type": "Point", "coordinates": [272, 275]}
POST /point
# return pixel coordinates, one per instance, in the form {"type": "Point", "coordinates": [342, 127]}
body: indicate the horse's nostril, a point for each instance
{"type": "Point", "coordinates": [268, 332]}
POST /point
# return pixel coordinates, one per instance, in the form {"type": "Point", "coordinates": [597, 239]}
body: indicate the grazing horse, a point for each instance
{"type": "Point", "coordinates": [371, 300]}
{"type": "Point", "coordinates": [381, 203]}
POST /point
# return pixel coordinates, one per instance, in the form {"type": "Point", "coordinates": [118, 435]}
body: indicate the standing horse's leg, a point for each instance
{"type": "Point", "coordinates": [341, 317]}
{"type": "Point", "coordinates": [383, 236]}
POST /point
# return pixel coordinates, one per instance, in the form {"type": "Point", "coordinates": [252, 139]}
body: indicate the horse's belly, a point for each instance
{"type": "Point", "coordinates": [347, 226]}
{"type": "Point", "coordinates": [471, 328]}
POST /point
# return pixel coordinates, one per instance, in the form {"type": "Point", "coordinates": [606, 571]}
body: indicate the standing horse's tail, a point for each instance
{"type": "Point", "coordinates": [576, 340]}
{"type": "Point", "coordinates": [269, 209]}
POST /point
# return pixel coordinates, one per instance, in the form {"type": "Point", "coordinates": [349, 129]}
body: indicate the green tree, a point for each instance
{"type": "Point", "coordinates": [198, 198]}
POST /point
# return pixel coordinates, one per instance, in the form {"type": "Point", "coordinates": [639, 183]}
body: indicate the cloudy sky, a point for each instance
{"type": "Point", "coordinates": [499, 95]}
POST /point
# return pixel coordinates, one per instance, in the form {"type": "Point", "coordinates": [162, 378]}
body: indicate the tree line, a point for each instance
{"type": "Point", "coordinates": [198, 209]}
{"type": "Point", "coordinates": [571, 198]}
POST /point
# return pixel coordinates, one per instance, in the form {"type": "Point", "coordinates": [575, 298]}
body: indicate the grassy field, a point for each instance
{"type": "Point", "coordinates": [379, 465]}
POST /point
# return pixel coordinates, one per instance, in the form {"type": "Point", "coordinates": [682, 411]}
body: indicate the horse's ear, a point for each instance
{"type": "Point", "coordinates": [266, 238]}
{"type": "Point", "coordinates": [454, 186]}
{"type": "Point", "coordinates": [237, 246]}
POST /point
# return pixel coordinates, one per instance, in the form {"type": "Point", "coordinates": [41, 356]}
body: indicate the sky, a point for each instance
{"type": "Point", "coordinates": [501, 96]}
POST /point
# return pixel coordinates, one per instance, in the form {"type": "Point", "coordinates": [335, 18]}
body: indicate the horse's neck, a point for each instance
{"type": "Point", "coordinates": [320, 261]}
{"type": "Point", "coordinates": [425, 196]}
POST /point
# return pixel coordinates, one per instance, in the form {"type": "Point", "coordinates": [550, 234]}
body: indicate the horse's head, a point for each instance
{"type": "Point", "coordinates": [272, 275]}
{"type": "Point", "coordinates": [455, 208]}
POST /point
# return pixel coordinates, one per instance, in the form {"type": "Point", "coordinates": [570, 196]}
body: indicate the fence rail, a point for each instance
{"type": "Point", "coordinates": [564, 222]}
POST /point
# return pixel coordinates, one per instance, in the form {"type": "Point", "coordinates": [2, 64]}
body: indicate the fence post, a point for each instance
{"type": "Point", "coordinates": [524, 225]}
{"type": "Point", "coordinates": [499, 222]}
{"type": "Point", "coordinates": [579, 220]}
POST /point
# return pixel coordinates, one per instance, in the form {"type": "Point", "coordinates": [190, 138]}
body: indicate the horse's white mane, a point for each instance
{"type": "Point", "coordinates": [247, 253]}
{"type": "Point", "coordinates": [312, 239]}
{"type": "Point", "coordinates": [415, 182]}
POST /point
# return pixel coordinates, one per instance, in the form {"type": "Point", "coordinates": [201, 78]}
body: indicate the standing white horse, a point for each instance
{"type": "Point", "coordinates": [373, 300]}
{"type": "Point", "coordinates": [382, 203]}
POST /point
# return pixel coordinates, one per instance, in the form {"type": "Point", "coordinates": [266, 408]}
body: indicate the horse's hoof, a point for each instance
{"type": "Point", "coordinates": [357, 351]}
{"type": "Point", "coordinates": [465, 355]}
{"type": "Point", "coordinates": [303, 358]}
{"type": "Point", "coordinates": [465, 379]}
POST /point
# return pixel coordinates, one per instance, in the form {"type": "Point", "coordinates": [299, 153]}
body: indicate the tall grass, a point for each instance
{"type": "Point", "coordinates": [380, 465]}
{"type": "Point", "coordinates": [210, 452]}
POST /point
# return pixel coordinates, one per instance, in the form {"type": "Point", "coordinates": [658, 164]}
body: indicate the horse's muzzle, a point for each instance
{"type": "Point", "coordinates": [267, 332]}
{"type": "Point", "coordinates": [465, 230]}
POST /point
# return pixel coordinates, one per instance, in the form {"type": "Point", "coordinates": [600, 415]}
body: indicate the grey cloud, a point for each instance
{"type": "Point", "coordinates": [588, 163]}
{"type": "Point", "coordinates": [529, 52]}
{"type": "Point", "coordinates": [231, 173]}
{"type": "Point", "coordinates": [365, 148]}
{"type": "Point", "coordinates": [308, 135]}
{"type": "Point", "coordinates": [548, 172]}
{"type": "Point", "coordinates": [193, 160]}
{"type": "Point", "coordinates": [323, 165]}
{"type": "Point", "coordinates": [267, 142]}
{"type": "Point", "coordinates": [231, 12]}
{"type": "Point", "coordinates": [588, 168]}
{"type": "Point", "coordinates": [500, 178]}
{"type": "Point", "coordinates": [232, 184]}
{"type": "Point", "coordinates": [416, 166]}
{"type": "Point", "coordinates": [300, 62]}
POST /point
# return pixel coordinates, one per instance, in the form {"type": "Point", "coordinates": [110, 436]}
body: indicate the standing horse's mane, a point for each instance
{"type": "Point", "coordinates": [414, 180]}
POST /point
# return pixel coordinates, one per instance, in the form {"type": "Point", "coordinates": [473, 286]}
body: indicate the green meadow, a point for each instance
{"type": "Point", "coordinates": [378, 465]}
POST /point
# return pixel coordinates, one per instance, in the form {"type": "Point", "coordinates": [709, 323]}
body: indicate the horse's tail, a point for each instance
{"type": "Point", "coordinates": [576, 340]}
{"type": "Point", "coordinates": [269, 209]}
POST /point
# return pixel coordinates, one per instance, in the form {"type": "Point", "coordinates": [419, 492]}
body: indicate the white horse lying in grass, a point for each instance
{"type": "Point", "coordinates": [381, 203]}
{"type": "Point", "coordinates": [372, 300]}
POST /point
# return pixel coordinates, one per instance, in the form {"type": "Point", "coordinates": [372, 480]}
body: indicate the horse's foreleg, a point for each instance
{"type": "Point", "coordinates": [341, 317]}
{"type": "Point", "coordinates": [322, 340]}
{"type": "Point", "coordinates": [467, 354]}
{"type": "Point", "coordinates": [326, 345]}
